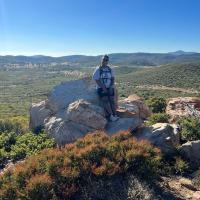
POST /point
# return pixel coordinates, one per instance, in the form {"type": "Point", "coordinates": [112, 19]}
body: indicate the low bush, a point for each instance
{"type": "Point", "coordinates": [180, 165]}
{"type": "Point", "coordinates": [15, 147]}
{"type": "Point", "coordinates": [18, 125]}
{"type": "Point", "coordinates": [173, 165]}
{"type": "Point", "coordinates": [158, 118]}
{"type": "Point", "coordinates": [190, 128]}
{"type": "Point", "coordinates": [59, 173]}
{"type": "Point", "coordinates": [196, 178]}
{"type": "Point", "coordinates": [30, 144]}
{"type": "Point", "coordinates": [3, 156]}
{"type": "Point", "coordinates": [40, 187]}
{"type": "Point", "coordinates": [157, 105]}
{"type": "Point", "coordinates": [7, 140]}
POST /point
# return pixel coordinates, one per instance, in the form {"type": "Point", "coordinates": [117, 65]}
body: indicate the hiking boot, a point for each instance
{"type": "Point", "coordinates": [113, 118]}
{"type": "Point", "coordinates": [116, 117]}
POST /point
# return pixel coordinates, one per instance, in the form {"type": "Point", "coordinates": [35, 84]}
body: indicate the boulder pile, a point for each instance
{"type": "Point", "coordinates": [73, 109]}
{"type": "Point", "coordinates": [183, 107]}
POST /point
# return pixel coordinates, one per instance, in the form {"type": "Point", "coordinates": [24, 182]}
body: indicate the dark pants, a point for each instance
{"type": "Point", "coordinates": [101, 93]}
{"type": "Point", "coordinates": [107, 99]}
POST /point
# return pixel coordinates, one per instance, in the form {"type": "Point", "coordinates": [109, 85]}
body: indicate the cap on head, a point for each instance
{"type": "Point", "coordinates": [105, 58]}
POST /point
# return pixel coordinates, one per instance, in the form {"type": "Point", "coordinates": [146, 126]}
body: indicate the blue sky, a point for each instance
{"type": "Point", "coordinates": [93, 27]}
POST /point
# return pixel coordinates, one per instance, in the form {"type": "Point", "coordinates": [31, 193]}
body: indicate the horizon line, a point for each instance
{"type": "Point", "coordinates": [94, 55]}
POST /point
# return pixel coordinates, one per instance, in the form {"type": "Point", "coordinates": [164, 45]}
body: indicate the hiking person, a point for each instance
{"type": "Point", "coordinates": [104, 77]}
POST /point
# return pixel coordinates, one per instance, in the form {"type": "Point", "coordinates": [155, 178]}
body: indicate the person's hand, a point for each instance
{"type": "Point", "coordinates": [105, 90]}
{"type": "Point", "coordinates": [110, 90]}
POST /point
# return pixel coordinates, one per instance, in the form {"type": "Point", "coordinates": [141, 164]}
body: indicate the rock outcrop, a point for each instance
{"type": "Point", "coordinates": [183, 107]}
{"type": "Point", "coordinates": [163, 135]}
{"type": "Point", "coordinates": [133, 106]}
{"type": "Point", "coordinates": [65, 131]}
{"type": "Point", "coordinates": [67, 92]}
{"type": "Point", "coordinates": [191, 151]}
{"type": "Point", "coordinates": [123, 124]}
{"type": "Point", "coordinates": [85, 113]}
{"type": "Point", "coordinates": [38, 113]}
{"type": "Point", "coordinates": [72, 109]}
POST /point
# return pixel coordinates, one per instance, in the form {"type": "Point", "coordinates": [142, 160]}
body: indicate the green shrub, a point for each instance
{"type": "Point", "coordinates": [13, 146]}
{"type": "Point", "coordinates": [173, 165]}
{"type": "Point", "coordinates": [59, 173]}
{"type": "Point", "coordinates": [30, 144]}
{"type": "Point", "coordinates": [7, 140]}
{"type": "Point", "coordinates": [157, 105]}
{"type": "Point", "coordinates": [158, 118]}
{"type": "Point", "coordinates": [3, 156]}
{"type": "Point", "coordinates": [180, 165]}
{"type": "Point", "coordinates": [8, 193]}
{"type": "Point", "coordinates": [39, 187]}
{"type": "Point", "coordinates": [18, 125]}
{"type": "Point", "coordinates": [190, 128]}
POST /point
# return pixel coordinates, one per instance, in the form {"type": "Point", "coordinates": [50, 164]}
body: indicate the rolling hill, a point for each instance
{"type": "Point", "coordinates": [125, 59]}
{"type": "Point", "coordinates": [184, 75]}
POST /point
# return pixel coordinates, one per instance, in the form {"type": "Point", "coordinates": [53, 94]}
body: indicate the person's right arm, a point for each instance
{"type": "Point", "coordinates": [96, 77]}
{"type": "Point", "coordinates": [99, 83]}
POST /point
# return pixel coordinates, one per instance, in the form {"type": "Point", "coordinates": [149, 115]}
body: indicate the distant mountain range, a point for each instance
{"type": "Point", "coordinates": [125, 59]}
{"type": "Point", "coordinates": [180, 52]}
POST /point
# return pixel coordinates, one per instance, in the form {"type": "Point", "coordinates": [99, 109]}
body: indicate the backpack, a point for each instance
{"type": "Point", "coordinates": [101, 72]}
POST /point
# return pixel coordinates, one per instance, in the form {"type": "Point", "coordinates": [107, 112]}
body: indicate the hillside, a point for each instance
{"type": "Point", "coordinates": [100, 165]}
{"type": "Point", "coordinates": [22, 86]}
{"type": "Point", "coordinates": [125, 59]}
{"type": "Point", "coordinates": [185, 75]}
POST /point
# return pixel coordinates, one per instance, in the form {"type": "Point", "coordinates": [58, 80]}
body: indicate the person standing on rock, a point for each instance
{"type": "Point", "coordinates": [104, 77]}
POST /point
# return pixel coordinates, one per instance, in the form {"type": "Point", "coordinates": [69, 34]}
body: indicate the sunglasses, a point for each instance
{"type": "Point", "coordinates": [106, 60]}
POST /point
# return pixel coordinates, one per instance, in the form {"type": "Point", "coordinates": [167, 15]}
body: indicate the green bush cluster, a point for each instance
{"type": "Point", "coordinates": [174, 165]}
{"type": "Point", "coordinates": [15, 147]}
{"type": "Point", "coordinates": [180, 165]}
{"type": "Point", "coordinates": [59, 173]}
{"type": "Point", "coordinates": [18, 125]}
{"type": "Point", "coordinates": [190, 128]}
{"type": "Point", "coordinates": [157, 105]}
{"type": "Point", "coordinates": [30, 144]}
{"type": "Point", "coordinates": [158, 118]}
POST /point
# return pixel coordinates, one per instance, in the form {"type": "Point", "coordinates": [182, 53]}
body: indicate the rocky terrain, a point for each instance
{"type": "Point", "coordinates": [72, 110]}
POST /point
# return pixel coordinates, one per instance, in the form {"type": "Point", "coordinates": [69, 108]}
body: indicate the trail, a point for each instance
{"type": "Point", "coordinates": [161, 87]}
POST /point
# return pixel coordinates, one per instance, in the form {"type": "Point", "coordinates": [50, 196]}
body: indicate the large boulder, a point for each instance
{"type": "Point", "coordinates": [123, 124]}
{"type": "Point", "coordinates": [77, 120]}
{"type": "Point", "coordinates": [67, 92]}
{"type": "Point", "coordinates": [38, 114]}
{"type": "Point", "coordinates": [65, 131]}
{"type": "Point", "coordinates": [183, 107]}
{"type": "Point", "coordinates": [191, 151]}
{"type": "Point", "coordinates": [133, 105]}
{"type": "Point", "coordinates": [73, 109]}
{"type": "Point", "coordinates": [85, 113]}
{"type": "Point", "coordinates": [163, 135]}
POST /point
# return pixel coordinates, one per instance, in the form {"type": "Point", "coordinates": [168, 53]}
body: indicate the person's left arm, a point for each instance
{"type": "Point", "coordinates": [112, 78]}
{"type": "Point", "coordinates": [112, 82]}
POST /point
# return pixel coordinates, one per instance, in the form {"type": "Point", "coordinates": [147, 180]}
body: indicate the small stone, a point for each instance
{"type": "Point", "coordinates": [196, 195]}
{"type": "Point", "coordinates": [191, 151]}
{"type": "Point", "coordinates": [162, 135]}
{"type": "Point", "coordinates": [187, 183]}
{"type": "Point", "coordinates": [183, 107]}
